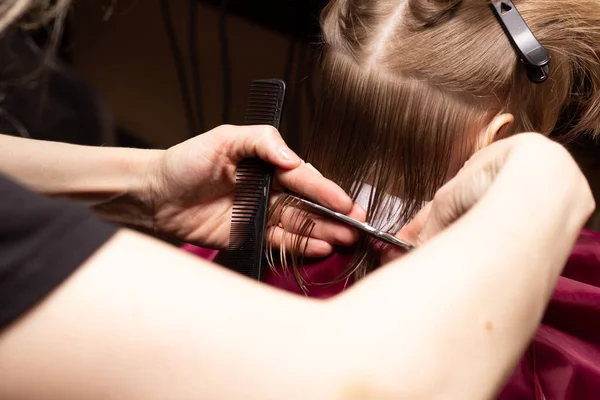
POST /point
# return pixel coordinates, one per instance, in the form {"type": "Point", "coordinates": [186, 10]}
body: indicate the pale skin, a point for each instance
{"type": "Point", "coordinates": [140, 320]}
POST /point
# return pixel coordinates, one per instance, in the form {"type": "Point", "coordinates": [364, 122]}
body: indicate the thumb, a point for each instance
{"type": "Point", "coordinates": [262, 141]}
{"type": "Point", "coordinates": [410, 233]}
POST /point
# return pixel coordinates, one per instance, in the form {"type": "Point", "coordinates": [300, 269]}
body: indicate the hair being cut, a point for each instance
{"type": "Point", "coordinates": [408, 85]}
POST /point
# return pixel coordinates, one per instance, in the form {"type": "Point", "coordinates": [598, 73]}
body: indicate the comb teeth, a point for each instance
{"type": "Point", "coordinates": [253, 185]}
{"type": "Point", "coordinates": [265, 102]}
{"type": "Point", "coordinates": [250, 188]}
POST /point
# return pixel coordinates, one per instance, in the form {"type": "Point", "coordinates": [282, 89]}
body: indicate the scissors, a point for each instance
{"type": "Point", "coordinates": [361, 226]}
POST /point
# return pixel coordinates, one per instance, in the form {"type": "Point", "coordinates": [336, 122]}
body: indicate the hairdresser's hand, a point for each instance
{"type": "Point", "coordinates": [191, 187]}
{"type": "Point", "coordinates": [479, 174]}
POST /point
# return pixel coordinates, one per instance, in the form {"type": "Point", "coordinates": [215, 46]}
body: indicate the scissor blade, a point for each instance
{"type": "Point", "coordinates": [363, 227]}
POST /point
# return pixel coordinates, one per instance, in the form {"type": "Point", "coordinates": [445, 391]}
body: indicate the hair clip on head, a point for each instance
{"type": "Point", "coordinates": [532, 54]}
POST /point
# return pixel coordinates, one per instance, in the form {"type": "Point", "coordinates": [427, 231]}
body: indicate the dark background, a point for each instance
{"type": "Point", "coordinates": [154, 73]}
{"type": "Point", "coordinates": [296, 18]}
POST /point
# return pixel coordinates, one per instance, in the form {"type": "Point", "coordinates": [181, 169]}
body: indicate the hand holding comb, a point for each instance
{"type": "Point", "coordinates": [253, 186]}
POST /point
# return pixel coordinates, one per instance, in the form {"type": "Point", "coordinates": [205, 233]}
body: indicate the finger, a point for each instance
{"type": "Point", "coordinates": [464, 190]}
{"type": "Point", "coordinates": [262, 141]}
{"type": "Point", "coordinates": [461, 193]}
{"type": "Point", "coordinates": [333, 232]}
{"type": "Point", "coordinates": [265, 142]}
{"type": "Point", "coordinates": [307, 181]}
{"type": "Point", "coordinates": [410, 233]}
{"type": "Point", "coordinates": [308, 246]}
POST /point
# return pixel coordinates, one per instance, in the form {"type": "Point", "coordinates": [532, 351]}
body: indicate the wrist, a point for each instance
{"type": "Point", "coordinates": [127, 194]}
{"type": "Point", "coordinates": [551, 185]}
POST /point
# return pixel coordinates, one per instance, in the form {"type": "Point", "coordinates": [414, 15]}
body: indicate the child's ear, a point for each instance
{"type": "Point", "coordinates": [497, 129]}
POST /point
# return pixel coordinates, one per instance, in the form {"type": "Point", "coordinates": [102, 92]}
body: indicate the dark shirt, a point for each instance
{"type": "Point", "coordinates": [42, 242]}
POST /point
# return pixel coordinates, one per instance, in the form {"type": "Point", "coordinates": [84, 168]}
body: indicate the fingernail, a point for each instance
{"type": "Point", "coordinates": [288, 154]}
{"type": "Point", "coordinates": [309, 165]}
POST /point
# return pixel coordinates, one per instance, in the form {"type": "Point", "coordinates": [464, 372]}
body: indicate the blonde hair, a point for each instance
{"type": "Point", "coordinates": [30, 13]}
{"type": "Point", "coordinates": [408, 85]}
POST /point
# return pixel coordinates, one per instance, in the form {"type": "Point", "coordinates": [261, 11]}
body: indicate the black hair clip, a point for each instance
{"type": "Point", "coordinates": [531, 53]}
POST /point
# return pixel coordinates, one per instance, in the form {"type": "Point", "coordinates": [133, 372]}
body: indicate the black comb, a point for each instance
{"type": "Point", "coordinates": [253, 185]}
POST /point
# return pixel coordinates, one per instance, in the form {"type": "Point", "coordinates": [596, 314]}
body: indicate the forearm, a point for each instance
{"type": "Point", "coordinates": [63, 169]}
{"type": "Point", "coordinates": [110, 178]}
{"type": "Point", "coordinates": [454, 317]}
{"type": "Point", "coordinates": [141, 320]}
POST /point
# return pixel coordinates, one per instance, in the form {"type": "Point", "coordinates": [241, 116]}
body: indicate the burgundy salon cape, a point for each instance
{"type": "Point", "coordinates": [562, 362]}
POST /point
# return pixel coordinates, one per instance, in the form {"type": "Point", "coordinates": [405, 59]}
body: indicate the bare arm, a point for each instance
{"type": "Point", "coordinates": [142, 321]}
{"type": "Point", "coordinates": [65, 169]}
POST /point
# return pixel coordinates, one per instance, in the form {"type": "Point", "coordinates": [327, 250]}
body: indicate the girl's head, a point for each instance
{"type": "Point", "coordinates": [412, 88]}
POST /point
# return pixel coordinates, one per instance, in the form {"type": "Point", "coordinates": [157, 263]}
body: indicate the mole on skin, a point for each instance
{"type": "Point", "coordinates": [489, 325]}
